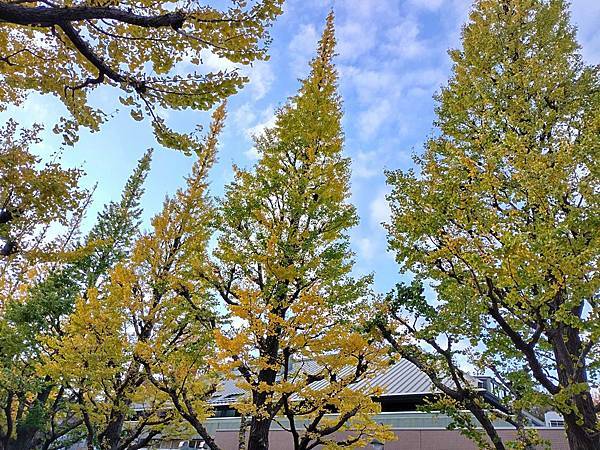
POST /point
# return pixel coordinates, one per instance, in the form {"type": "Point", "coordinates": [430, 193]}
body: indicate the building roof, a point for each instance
{"type": "Point", "coordinates": [400, 378]}
{"type": "Point", "coordinates": [227, 393]}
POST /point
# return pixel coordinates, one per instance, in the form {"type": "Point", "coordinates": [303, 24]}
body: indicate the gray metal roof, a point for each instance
{"type": "Point", "coordinates": [400, 378]}
{"type": "Point", "coordinates": [227, 393]}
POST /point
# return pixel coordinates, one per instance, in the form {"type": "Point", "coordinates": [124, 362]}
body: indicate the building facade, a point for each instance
{"type": "Point", "coordinates": [404, 388]}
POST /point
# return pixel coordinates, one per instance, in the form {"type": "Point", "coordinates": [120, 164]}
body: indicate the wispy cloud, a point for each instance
{"type": "Point", "coordinates": [404, 41]}
{"type": "Point", "coordinates": [586, 15]}
{"type": "Point", "coordinates": [355, 39]}
{"type": "Point", "coordinates": [431, 5]}
{"type": "Point", "coordinates": [252, 153]}
{"type": "Point", "coordinates": [253, 124]}
{"type": "Point", "coordinates": [371, 120]}
{"type": "Point", "coordinates": [366, 247]}
{"type": "Point", "coordinates": [261, 78]}
{"type": "Point", "coordinates": [301, 48]}
{"type": "Point", "coordinates": [379, 209]}
{"type": "Point", "coordinates": [367, 164]}
{"type": "Point", "coordinates": [244, 116]}
{"type": "Point", "coordinates": [266, 120]}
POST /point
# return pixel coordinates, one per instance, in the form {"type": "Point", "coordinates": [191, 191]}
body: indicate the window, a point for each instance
{"type": "Point", "coordinates": [557, 423]}
{"type": "Point", "coordinates": [225, 412]}
{"type": "Point", "coordinates": [166, 444]}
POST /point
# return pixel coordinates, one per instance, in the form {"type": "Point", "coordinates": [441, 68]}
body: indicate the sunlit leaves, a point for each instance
{"type": "Point", "coordinates": [152, 52]}
{"type": "Point", "coordinates": [283, 265]}
{"type": "Point", "coordinates": [503, 215]}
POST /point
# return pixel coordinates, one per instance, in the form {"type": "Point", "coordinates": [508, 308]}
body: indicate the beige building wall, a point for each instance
{"type": "Point", "coordinates": [426, 439]}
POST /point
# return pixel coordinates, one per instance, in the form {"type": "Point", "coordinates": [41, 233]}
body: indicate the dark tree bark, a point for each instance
{"type": "Point", "coordinates": [244, 424]}
{"type": "Point", "coordinates": [582, 429]}
{"type": "Point", "coordinates": [570, 356]}
{"type": "Point", "coordinates": [183, 405]}
{"type": "Point", "coordinates": [260, 423]}
{"type": "Point", "coordinates": [259, 433]}
{"type": "Point", "coordinates": [260, 426]}
{"type": "Point", "coordinates": [64, 18]}
{"type": "Point", "coordinates": [26, 436]}
{"type": "Point", "coordinates": [50, 16]}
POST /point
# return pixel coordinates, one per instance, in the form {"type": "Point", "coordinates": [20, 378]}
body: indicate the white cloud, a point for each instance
{"type": "Point", "coordinates": [586, 15]}
{"type": "Point", "coordinates": [251, 123]}
{"type": "Point", "coordinates": [302, 47]}
{"type": "Point", "coordinates": [369, 84]}
{"type": "Point", "coordinates": [366, 247]}
{"type": "Point", "coordinates": [366, 164]}
{"type": "Point", "coordinates": [371, 120]}
{"type": "Point", "coordinates": [244, 116]}
{"type": "Point", "coordinates": [260, 73]}
{"type": "Point", "coordinates": [403, 39]}
{"type": "Point", "coordinates": [354, 40]}
{"type": "Point", "coordinates": [430, 5]}
{"type": "Point", "coordinates": [252, 153]}
{"type": "Point", "coordinates": [369, 9]}
{"type": "Point", "coordinates": [267, 120]}
{"type": "Point", "coordinates": [215, 63]}
{"type": "Point", "coordinates": [261, 78]}
{"type": "Point", "coordinates": [429, 79]}
{"type": "Point", "coordinates": [304, 42]}
{"type": "Point", "coordinates": [379, 209]}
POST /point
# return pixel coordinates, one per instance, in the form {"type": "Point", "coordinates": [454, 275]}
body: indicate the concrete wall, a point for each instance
{"type": "Point", "coordinates": [407, 439]}
{"type": "Point", "coordinates": [415, 430]}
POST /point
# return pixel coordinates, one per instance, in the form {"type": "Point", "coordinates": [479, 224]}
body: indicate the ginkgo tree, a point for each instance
{"type": "Point", "coordinates": [135, 349]}
{"type": "Point", "coordinates": [282, 266]}
{"type": "Point", "coordinates": [152, 51]}
{"type": "Point", "coordinates": [503, 217]}
{"type": "Point", "coordinates": [37, 198]}
{"type": "Point", "coordinates": [33, 195]}
{"type": "Point", "coordinates": [37, 410]}
{"type": "Point", "coordinates": [423, 334]}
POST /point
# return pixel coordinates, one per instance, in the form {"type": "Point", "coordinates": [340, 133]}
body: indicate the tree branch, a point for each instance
{"type": "Point", "coordinates": [49, 16]}
{"type": "Point", "coordinates": [84, 48]}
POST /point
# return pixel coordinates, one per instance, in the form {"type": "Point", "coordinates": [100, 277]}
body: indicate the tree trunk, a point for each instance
{"type": "Point", "coordinates": [258, 438]}
{"type": "Point", "coordinates": [486, 424]}
{"type": "Point", "coordinates": [578, 438]}
{"type": "Point", "coordinates": [581, 424]}
{"type": "Point", "coordinates": [111, 437]}
{"type": "Point", "coordinates": [259, 433]}
{"type": "Point", "coordinates": [244, 422]}
{"type": "Point", "coordinates": [25, 438]}
{"type": "Point", "coordinates": [581, 431]}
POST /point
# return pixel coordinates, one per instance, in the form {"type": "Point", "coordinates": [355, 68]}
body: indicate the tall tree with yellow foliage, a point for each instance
{"type": "Point", "coordinates": [37, 409]}
{"type": "Point", "coordinates": [504, 214]}
{"type": "Point", "coordinates": [282, 265]}
{"type": "Point", "coordinates": [40, 207]}
{"type": "Point", "coordinates": [134, 350]}
{"type": "Point", "coordinates": [33, 196]}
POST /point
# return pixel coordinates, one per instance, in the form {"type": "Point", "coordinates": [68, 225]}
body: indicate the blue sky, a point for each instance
{"type": "Point", "coordinates": [392, 59]}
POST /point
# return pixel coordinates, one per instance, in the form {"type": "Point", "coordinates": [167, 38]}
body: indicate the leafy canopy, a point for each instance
{"type": "Point", "coordinates": [152, 51]}
{"type": "Point", "coordinates": [40, 295]}
{"type": "Point", "coordinates": [503, 216]}
{"type": "Point", "coordinates": [136, 345]}
{"type": "Point", "coordinates": [282, 264]}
